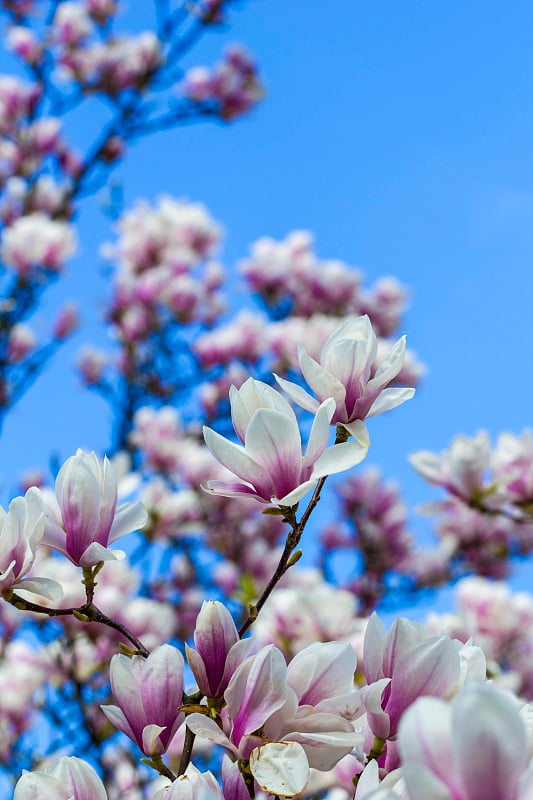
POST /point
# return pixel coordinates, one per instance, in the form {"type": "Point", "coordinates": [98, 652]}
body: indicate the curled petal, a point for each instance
{"type": "Point", "coordinates": [96, 553]}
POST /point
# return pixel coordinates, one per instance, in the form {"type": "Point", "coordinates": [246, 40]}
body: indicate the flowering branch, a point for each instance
{"type": "Point", "coordinates": [87, 612]}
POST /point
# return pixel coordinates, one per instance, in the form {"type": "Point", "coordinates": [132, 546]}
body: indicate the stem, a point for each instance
{"type": "Point", "coordinates": [291, 543]}
{"type": "Point", "coordinates": [156, 762]}
{"type": "Point", "coordinates": [187, 751]}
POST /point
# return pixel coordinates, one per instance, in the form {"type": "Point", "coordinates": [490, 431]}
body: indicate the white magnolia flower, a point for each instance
{"type": "Point", "coordinates": [270, 465]}
{"type": "Point", "coordinates": [349, 374]}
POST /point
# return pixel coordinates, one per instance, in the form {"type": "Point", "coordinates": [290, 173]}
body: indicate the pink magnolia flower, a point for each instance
{"type": "Point", "coordinates": [67, 321]}
{"type": "Point", "coordinates": [21, 531]}
{"type": "Point", "coordinates": [281, 731]}
{"type": "Point", "coordinates": [91, 364]}
{"type": "Point", "coordinates": [271, 465]}
{"type": "Point", "coordinates": [24, 42]}
{"type": "Point", "coordinates": [404, 664]}
{"type": "Point", "coordinates": [71, 23]}
{"type": "Point", "coordinates": [101, 10]}
{"type": "Point", "coordinates": [149, 692]}
{"type": "Point", "coordinates": [66, 779]}
{"type": "Point", "coordinates": [344, 374]}
{"type": "Point", "coordinates": [21, 342]}
{"type": "Point", "coordinates": [159, 434]}
{"type": "Point", "coordinates": [234, 85]}
{"type": "Point", "coordinates": [474, 748]}
{"type": "Point", "coordinates": [82, 519]}
{"type": "Point", "coordinates": [35, 240]}
{"type": "Point", "coordinates": [460, 469]}
{"type": "Point", "coordinates": [219, 651]}
{"type": "Point", "coordinates": [512, 463]}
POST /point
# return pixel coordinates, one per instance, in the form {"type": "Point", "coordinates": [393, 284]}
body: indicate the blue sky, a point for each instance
{"type": "Point", "coordinates": [400, 135]}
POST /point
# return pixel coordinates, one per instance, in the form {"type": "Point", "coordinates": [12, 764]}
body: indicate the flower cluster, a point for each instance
{"type": "Point", "coordinates": [486, 515]}
{"type": "Point", "coordinates": [159, 252]}
{"type": "Point", "coordinates": [233, 87]}
{"type": "Point", "coordinates": [78, 56]}
{"type": "Point", "coordinates": [288, 274]}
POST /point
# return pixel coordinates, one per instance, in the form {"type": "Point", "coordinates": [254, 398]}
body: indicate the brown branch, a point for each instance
{"type": "Point", "coordinates": [85, 613]}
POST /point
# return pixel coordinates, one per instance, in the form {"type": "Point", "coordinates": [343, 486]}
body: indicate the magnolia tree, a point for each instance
{"type": "Point", "coordinates": [201, 661]}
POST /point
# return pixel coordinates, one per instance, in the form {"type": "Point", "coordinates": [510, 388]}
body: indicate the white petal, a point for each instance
{"type": "Point", "coordinates": [207, 728]}
{"type": "Point", "coordinates": [280, 768]}
{"type": "Point", "coordinates": [428, 464]}
{"type": "Point", "coordinates": [39, 785]}
{"type": "Point", "coordinates": [128, 517]}
{"type": "Point", "coordinates": [422, 784]}
{"type": "Point", "coordinates": [96, 553]}
{"type": "Point", "coordinates": [368, 780]}
{"type": "Point", "coordinates": [338, 458]}
{"type": "Point", "coordinates": [151, 742]}
{"type": "Point", "coordinates": [319, 436]}
{"type": "Point", "coordinates": [45, 587]}
{"type": "Point", "coordinates": [293, 497]}
{"type": "Point", "coordinates": [235, 458]}
{"type": "Point", "coordinates": [389, 398]}
{"type": "Point", "coordinates": [232, 489]}
{"type": "Point", "coordinates": [322, 382]}
{"type": "Point", "coordinates": [391, 364]}
{"type": "Point", "coordinates": [297, 394]}
{"type": "Point", "coordinates": [359, 431]}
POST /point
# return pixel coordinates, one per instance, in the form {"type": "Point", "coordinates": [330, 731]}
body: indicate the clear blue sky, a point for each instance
{"type": "Point", "coordinates": [400, 135]}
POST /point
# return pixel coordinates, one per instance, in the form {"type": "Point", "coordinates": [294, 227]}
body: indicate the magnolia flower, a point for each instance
{"type": "Point", "coordinates": [83, 518]}
{"type": "Point", "coordinates": [284, 732]}
{"type": "Point", "coordinates": [460, 469]}
{"type": "Point", "coordinates": [35, 240]}
{"type": "Point", "coordinates": [21, 531]}
{"type": "Point", "coordinates": [344, 373]}
{"type": "Point", "coordinates": [65, 779]}
{"type": "Point", "coordinates": [149, 692]}
{"type": "Point", "coordinates": [406, 663]}
{"type": "Point", "coordinates": [271, 465]}
{"type": "Point", "coordinates": [219, 651]}
{"type": "Point", "coordinates": [474, 748]}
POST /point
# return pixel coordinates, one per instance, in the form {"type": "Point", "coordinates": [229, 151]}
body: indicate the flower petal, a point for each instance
{"type": "Point", "coordinates": [297, 394]}
{"type": "Point", "coordinates": [128, 517]}
{"type": "Point", "coordinates": [96, 553]}
{"type": "Point", "coordinates": [273, 441]}
{"type": "Point", "coordinates": [280, 768]}
{"type": "Point", "coordinates": [322, 382]}
{"type": "Point", "coordinates": [389, 398]}
{"type": "Point", "coordinates": [45, 587]}
{"type": "Point", "coordinates": [235, 458]}
{"type": "Point", "coordinates": [339, 458]}
{"type": "Point", "coordinates": [319, 436]}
